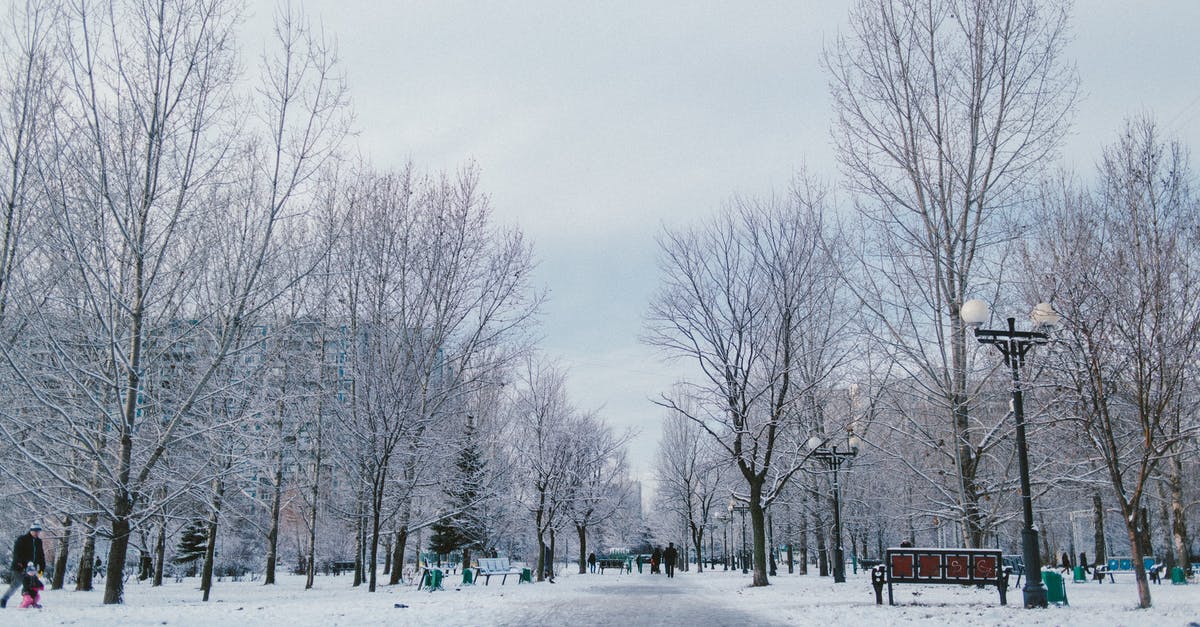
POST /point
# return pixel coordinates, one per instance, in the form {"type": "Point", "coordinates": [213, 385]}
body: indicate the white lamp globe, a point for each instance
{"type": "Point", "coordinates": [974, 312]}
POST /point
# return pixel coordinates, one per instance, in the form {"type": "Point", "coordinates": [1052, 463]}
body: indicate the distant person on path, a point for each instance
{"type": "Point", "coordinates": [655, 560]}
{"type": "Point", "coordinates": [27, 550]}
{"type": "Point", "coordinates": [639, 563]}
{"type": "Point", "coordinates": [669, 557]}
{"type": "Point", "coordinates": [1083, 563]}
{"type": "Point", "coordinates": [31, 588]}
{"type": "Point", "coordinates": [592, 562]}
{"type": "Point", "coordinates": [1066, 563]}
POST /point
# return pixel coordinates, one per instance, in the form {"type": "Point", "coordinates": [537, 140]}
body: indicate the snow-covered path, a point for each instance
{"type": "Point", "coordinates": [640, 601]}
{"type": "Point", "coordinates": [711, 598]}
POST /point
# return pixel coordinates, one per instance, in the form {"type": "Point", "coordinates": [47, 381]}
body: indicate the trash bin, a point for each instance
{"type": "Point", "coordinates": [468, 577]}
{"type": "Point", "coordinates": [1178, 577]}
{"type": "Point", "coordinates": [1056, 592]}
{"type": "Point", "coordinates": [1080, 576]}
{"type": "Point", "coordinates": [526, 576]}
{"type": "Point", "coordinates": [433, 579]}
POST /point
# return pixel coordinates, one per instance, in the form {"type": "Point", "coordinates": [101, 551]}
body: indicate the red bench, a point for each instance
{"type": "Point", "coordinates": [969, 567]}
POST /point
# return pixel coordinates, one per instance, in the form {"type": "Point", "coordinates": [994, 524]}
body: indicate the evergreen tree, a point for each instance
{"type": "Point", "coordinates": [193, 544]}
{"type": "Point", "coordinates": [465, 528]}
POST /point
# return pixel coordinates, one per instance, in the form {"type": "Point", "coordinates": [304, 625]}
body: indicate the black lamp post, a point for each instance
{"type": "Point", "coordinates": [741, 508]}
{"type": "Point", "coordinates": [1014, 344]}
{"type": "Point", "coordinates": [725, 543]}
{"type": "Point", "coordinates": [834, 458]}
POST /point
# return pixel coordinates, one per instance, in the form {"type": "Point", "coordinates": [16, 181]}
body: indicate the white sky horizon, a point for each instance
{"type": "Point", "coordinates": [596, 124]}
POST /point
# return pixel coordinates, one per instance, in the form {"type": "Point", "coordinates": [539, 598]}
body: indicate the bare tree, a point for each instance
{"type": "Point", "coordinates": [750, 299]}
{"type": "Point", "coordinates": [690, 478]}
{"type": "Point", "coordinates": [1121, 266]}
{"type": "Point", "coordinates": [946, 109]}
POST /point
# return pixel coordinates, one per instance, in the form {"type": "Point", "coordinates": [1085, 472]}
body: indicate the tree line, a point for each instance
{"type": "Point", "coordinates": [807, 318]}
{"type": "Point", "coordinates": [218, 324]}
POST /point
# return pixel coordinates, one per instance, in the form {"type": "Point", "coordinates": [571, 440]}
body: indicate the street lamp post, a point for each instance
{"type": "Point", "coordinates": [1014, 344]}
{"type": "Point", "coordinates": [834, 458]}
{"type": "Point", "coordinates": [741, 508]}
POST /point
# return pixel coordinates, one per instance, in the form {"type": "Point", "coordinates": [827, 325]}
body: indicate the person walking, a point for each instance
{"type": "Point", "coordinates": [655, 560]}
{"type": "Point", "coordinates": [27, 550]}
{"type": "Point", "coordinates": [669, 557]}
{"type": "Point", "coordinates": [1084, 563]}
{"type": "Point", "coordinates": [592, 562]}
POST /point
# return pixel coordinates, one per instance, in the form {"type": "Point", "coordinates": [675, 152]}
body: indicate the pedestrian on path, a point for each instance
{"type": "Point", "coordinates": [592, 562]}
{"type": "Point", "coordinates": [669, 557]}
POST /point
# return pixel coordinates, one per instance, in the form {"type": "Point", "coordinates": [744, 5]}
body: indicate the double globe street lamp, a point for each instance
{"type": "Point", "coordinates": [834, 457]}
{"type": "Point", "coordinates": [1014, 345]}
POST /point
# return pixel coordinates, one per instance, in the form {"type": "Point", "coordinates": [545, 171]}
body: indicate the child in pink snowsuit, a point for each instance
{"type": "Point", "coordinates": [31, 591]}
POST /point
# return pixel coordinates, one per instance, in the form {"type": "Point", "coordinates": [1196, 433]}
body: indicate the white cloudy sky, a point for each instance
{"type": "Point", "coordinates": [595, 123]}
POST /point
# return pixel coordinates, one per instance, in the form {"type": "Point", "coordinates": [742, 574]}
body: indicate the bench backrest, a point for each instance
{"type": "Point", "coordinates": [1119, 564]}
{"type": "Point", "coordinates": [937, 565]}
{"type": "Point", "coordinates": [493, 564]}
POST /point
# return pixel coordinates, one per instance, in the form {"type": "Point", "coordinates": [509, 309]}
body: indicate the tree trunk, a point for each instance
{"type": "Point", "coordinates": [398, 555]}
{"type": "Point", "coordinates": [1048, 557]}
{"type": "Point", "coordinates": [1135, 542]}
{"type": "Point", "coordinates": [60, 558]}
{"type": "Point", "coordinates": [698, 544]}
{"type": "Point", "coordinates": [160, 552]}
{"type": "Point", "coordinates": [822, 551]}
{"type": "Point", "coordinates": [1179, 534]}
{"type": "Point", "coordinates": [550, 557]}
{"type": "Point", "coordinates": [276, 498]}
{"type": "Point", "coordinates": [87, 556]}
{"type": "Point", "coordinates": [114, 584]}
{"type": "Point", "coordinates": [1098, 513]}
{"type": "Point", "coordinates": [387, 555]}
{"type": "Point", "coordinates": [582, 531]}
{"type": "Point", "coordinates": [210, 551]}
{"type": "Point", "coordinates": [315, 494]}
{"type": "Point", "coordinates": [804, 535]}
{"type": "Point", "coordinates": [359, 540]}
{"type": "Point", "coordinates": [758, 524]}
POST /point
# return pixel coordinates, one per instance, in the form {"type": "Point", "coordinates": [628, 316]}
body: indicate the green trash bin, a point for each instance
{"type": "Point", "coordinates": [468, 577]}
{"type": "Point", "coordinates": [526, 576]}
{"type": "Point", "coordinates": [1056, 592]}
{"type": "Point", "coordinates": [1178, 576]}
{"type": "Point", "coordinates": [433, 579]}
{"type": "Point", "coordinates": [1080, 576]}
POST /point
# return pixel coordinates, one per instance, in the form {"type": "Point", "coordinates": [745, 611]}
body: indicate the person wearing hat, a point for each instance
{"type": "Point", "coordinates": [31, 588]}
{"type": "Point", "coordinates": [27, 551]}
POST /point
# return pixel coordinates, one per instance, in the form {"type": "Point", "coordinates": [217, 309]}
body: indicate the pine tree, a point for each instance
{"type": "Point", "coordinates": [193, 544]}
{"type": "Point", "coordinates": [465, 528]}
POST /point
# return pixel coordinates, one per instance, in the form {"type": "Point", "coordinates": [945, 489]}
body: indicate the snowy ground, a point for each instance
{"type": "Point", "coordinates": [711, 598]}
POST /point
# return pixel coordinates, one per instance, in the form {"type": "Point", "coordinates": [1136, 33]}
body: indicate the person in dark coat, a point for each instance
{"type": "Point", "coordinates": [1084, 563]}
{"type": "Point", "coordinates": [26, 550]}
{"type": "Point", "coordinates": [655, 560]}
{"type": "Point", "coordinates": [669, 557]}
{"type": "Point", "coordinates": [592, 561]}
{"type": "Point", "coordinates": [1066, 563]}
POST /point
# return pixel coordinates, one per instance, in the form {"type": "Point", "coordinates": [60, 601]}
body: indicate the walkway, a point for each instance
{"type": "Point", "coordinates": [639, 600]}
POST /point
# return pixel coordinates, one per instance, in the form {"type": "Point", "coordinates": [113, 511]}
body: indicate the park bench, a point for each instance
{"type": "Point", "coordinates": [972, 567]}
{"type": "Point", "coordinates": [619, 563]}
{"type": "Point", "coordinates": [499, 566]}
{"type": "Point", "coordinates": [1120, 565]}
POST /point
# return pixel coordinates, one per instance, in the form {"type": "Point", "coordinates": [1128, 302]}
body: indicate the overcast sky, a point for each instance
{"type": "Point", "coordinates": [596, 123]}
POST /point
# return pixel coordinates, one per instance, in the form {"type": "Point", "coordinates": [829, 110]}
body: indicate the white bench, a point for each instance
{"type": "Point", "coordinates": [499, 566]}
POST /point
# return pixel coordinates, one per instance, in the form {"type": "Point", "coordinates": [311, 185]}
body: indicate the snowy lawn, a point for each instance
{"type": "Point", "coordinates": [579, 599]}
